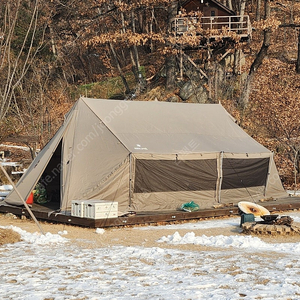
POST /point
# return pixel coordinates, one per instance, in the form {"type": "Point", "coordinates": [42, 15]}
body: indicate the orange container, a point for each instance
{"type": "Point", "coordinates": [30, 199]}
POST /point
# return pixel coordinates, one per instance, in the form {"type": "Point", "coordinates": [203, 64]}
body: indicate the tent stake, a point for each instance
{"type": "Point", "coordinates": [25, 204]}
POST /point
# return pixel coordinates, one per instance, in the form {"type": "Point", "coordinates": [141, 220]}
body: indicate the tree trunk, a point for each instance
{"type": "Point", "coordinates": [298, 56]}
{"type": "Point", "coordinates": [257, 15]}
{"type": "Point", "coordinates": [292, 25]}
{"type": "Point", "coordinates": [237, 61]}
{"type": "Point", "coordinates": [292, 12]}
{"type": "Point", "coordinates": [140, 80]}
{"type": "Point", "coordinates": [242, 8]}
{"type": "Point", "coordinates": [244, 99]}
{"type": "Point", "coordinates": [170, 73]}
{"type": "Point", "coordinates": [53, 45]}
{"type": "Point", "coordinates": [116, 58]}
{"type": "Point", "coordinates": [15, 67]}
{"type": "Point", "coordinates": [119, 68]}
{"type": "Point", "coordinates": [170, 59]}
{"type": "Point", "coordinates": [151, 29]}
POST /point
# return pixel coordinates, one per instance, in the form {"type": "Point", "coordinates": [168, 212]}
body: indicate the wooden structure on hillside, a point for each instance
{"type": "Point", "coordinates": [216, 18]}
{"type": "Point", "coordinates": [214, 29]}
{"type": "Point", "coordinates": [207, 7]}
{"type": "Point", "coordinates": [25, 139]}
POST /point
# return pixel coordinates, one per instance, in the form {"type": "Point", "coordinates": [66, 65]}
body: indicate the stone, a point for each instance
{"type": "Point", "coordinates": [173, 98]}
{"type": "Point", "coordinates": [194, 93]}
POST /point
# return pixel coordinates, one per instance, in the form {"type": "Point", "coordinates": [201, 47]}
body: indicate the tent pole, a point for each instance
{"type": "Point", "coordinates": [24, 202]}
{"type": "Point", "coordinates": [220, 175]}
{"type": "Point", "coordinates": [130, 178]}
{"type": "Point", "coordinates": [268, 174]}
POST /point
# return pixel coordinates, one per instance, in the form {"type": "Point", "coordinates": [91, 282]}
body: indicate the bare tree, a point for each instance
{"type": "Point", "coordinates": [16, 57]}
{"type": "Point", "coordinates": [257, 14]}
{"type": "Point", "coordinates": [244, 99]}
{"type": "Point", "coordinates": [170, 59]}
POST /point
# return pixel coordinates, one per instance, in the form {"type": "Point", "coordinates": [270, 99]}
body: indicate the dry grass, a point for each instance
{"type": "Point", "coordinates": [8, 236]}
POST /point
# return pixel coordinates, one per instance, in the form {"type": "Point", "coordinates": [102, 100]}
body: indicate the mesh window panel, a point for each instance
{"type": "Point", "coordinates": [172, 176]}
{"type": "Point", "coordinates": [243, 173]}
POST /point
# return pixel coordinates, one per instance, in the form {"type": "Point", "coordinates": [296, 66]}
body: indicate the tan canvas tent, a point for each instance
{"type": "Point", "coordinates": [151, 156]}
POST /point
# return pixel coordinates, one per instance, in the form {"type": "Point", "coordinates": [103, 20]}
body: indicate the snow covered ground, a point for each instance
{"type": "Point", "coordinates": [178, 266]}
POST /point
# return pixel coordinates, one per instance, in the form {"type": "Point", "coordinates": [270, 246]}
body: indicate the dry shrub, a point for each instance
{"type": "Point", "coordinates": [8, 236]}
{"type": "Point", "coordinates": [157, 93]}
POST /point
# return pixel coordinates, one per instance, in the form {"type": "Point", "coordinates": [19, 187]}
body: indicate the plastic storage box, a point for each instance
{"type": "Point", "coordinates": [77, 208]}
{"type": "Point", "coordinates": [94, 209]}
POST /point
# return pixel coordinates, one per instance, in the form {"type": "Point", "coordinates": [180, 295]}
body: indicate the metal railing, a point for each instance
{"type": "Point", "coordinates": [218, 25]}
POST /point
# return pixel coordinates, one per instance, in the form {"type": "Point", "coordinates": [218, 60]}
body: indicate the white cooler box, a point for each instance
{"type": "Point", "coordinates": [94, 209]}
{"type": "Point", "coordinates": [77, 208]}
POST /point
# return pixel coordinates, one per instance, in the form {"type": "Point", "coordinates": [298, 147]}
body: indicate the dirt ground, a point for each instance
{"type": "Point", "coordinates": [126, 236]}
{"type": "Point", "coordinates": [8, 236]}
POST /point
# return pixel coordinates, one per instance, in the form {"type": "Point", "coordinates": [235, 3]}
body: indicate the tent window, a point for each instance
{"type": "Point", "coordinates": [243, 173]}
{"type": "Point", "coordinates": [173, 176]}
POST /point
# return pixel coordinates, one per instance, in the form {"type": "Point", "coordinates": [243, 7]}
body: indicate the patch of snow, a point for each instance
{"type": "Point", "coordinates": [64, 232]}
{"type": "Point", "coordinates": [37, 238]}
{"type": "Point", "coordinates": [10, 164]}
{"type": "Point", "coordinates": [239, 267]}
{"type": "Point", "coordinates": [6, 187]}
{"type": "Point", "coordinates": [241, 241]}
{"type": "Point", "coordinates": [213, 223]}
{"type": "Point", "coordinates": [293, 193]}
{"type": "Point", "coordinates": [100, 230]}
{"type": "Point", "coordinates": [3, 194]}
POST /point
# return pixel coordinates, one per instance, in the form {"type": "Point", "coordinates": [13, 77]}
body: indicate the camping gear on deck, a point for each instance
{"type": "Point", "coordinates": [247, 218]}
{"type": "Point", "coordinates": [253, 208]}
{"type": "Point", "coordinates": [148, 156]}
{"type": "Point", "coordinates": [40, 194]}
{"type": "Point", "coordinates": [30, 199]}
{"type": "Point", "coordinates": [94, 209]}
{"type": "Point", "coordinates": [269, 218]}
{"type": "Point", "coordinates": [190, 206]}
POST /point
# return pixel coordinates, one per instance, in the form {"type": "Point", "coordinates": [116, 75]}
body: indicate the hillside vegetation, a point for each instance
{"type": "Point", "coordinates": [54, 51]}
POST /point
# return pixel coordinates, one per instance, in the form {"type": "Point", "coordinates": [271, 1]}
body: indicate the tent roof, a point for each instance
{"type": "Point", "coordinates": [163, 127]}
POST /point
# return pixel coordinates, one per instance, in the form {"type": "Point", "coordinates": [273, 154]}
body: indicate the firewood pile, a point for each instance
{"type": "Point", "coordinates": [284, 225]}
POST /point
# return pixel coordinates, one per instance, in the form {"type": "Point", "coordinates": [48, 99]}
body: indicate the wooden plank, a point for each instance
{"type": "Point", "coordinates": [146, 217]}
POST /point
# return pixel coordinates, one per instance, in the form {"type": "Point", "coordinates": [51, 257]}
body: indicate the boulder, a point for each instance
{"type": "Point", "coordinates": [193, 93]}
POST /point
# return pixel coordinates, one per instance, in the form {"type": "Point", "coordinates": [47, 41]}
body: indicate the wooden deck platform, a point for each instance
{"type": "Point", "coordinates": [48, 214]}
